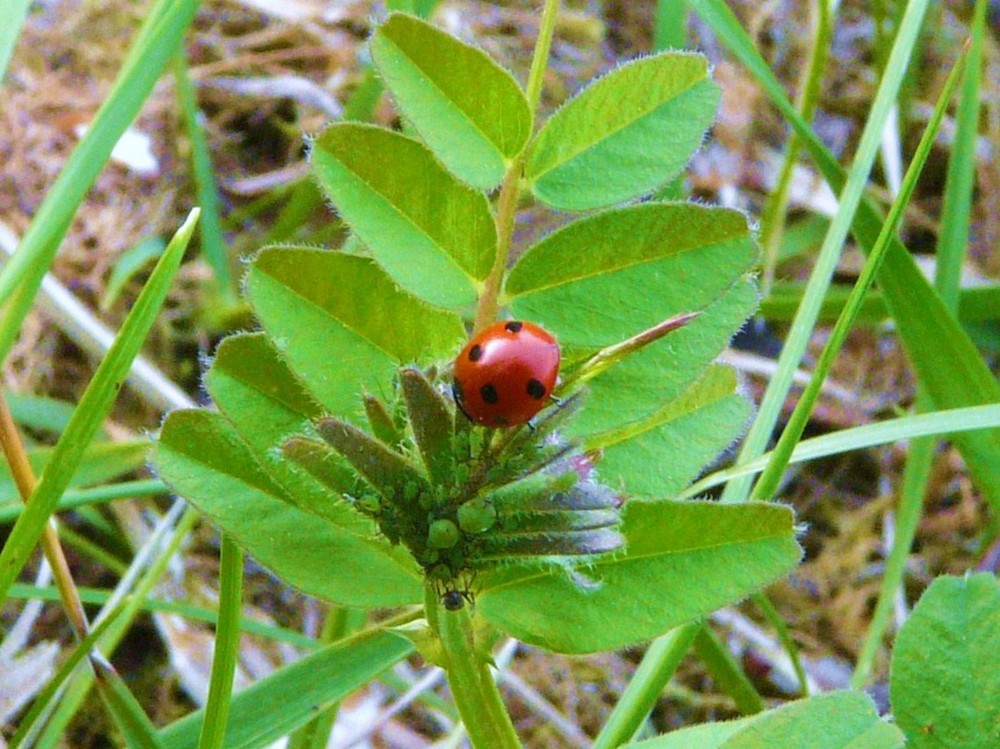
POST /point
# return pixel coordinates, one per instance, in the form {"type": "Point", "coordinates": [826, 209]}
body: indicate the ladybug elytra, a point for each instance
{"type": "Point", "coordinates": [505, 374]}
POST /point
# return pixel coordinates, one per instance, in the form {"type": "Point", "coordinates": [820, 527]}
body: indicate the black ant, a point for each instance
{"type": "Point", "coordinates": [454, 600]}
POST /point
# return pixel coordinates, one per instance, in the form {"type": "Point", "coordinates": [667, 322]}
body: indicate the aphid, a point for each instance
{"type": "Point", "coordinates": [506, 373]}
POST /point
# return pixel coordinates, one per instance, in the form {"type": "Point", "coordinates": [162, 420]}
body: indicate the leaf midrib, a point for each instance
{"type": "Point", "coordinates": [625, 266]}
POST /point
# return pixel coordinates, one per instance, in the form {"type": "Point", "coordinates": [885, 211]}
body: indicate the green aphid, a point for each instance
{"type": "Point", "coordinates": [443, 534]}
{"type": "Point", "coordinates": [476, 516]}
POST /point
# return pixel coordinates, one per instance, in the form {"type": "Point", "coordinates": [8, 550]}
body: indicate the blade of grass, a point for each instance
{"type": "Point", "coordinates": [647, 683]}
{"type": "Point", "coordinates": [775, 210]}
{"type": "Point", "coordinates": [670, 31]}
{"type": "Point", "coordinates": [159, 606]}
{"type": "Point", "coordinates": [157, 41]}
{"type": "Point", "coordinates": [273, 707]}
{"type": "Point", "coordinates": [94, 495]}
{"type": "Point", "coordinates": [10, 30]}
{"type": "Point", "coordinates": [944, 357]}
{"type": "Point", "coordinates": [976, 304]}
{"type": "Point", "coordinates": [213, 246]}
{"type": "Point", "coordinates": [124, 709]}
{"type": "Point", "coordinates": [726, 672]}
{"type": "Point", "coordinates": [227, 646]}
{"type": "Point", "coordinates": [133, 723]}
{"type": "Point", "coordinates": [340, 622]}
{"type": "Point", "coordinates": [951, 423]}
{"type": "Point", "coordinates": [951, 250]}
{"type": "Point", "coordinates": [29, 724]}
{"type": "Point", "coordinates": [92, 409]}
{"type": "Point", "coordinates": [819, 281]}
{"type": "Point", "coordinates": [159, 549]}
{"type": "Point", "coordinates": [769, 480]}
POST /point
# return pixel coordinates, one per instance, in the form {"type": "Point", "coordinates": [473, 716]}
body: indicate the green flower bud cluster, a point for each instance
{"type": "Point", "coordinates": [463, 498]}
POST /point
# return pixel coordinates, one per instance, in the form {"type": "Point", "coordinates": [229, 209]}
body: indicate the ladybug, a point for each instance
{"type": "Point", "coordinates": [505, 374]}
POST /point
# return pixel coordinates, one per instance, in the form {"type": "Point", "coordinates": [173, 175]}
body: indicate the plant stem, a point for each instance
{"type": "Point", "coordinates": [646, 686]}
{"type": "Point", "coordinates": [785, 638]}
{"type": "Point", "coordinates": [227, 646]}
{"type": "Point", "coordinates": [24, 477]}
{"type": "Point", "coordinates": [510, 190]}
{"type": "Point", "coordinates": [726, 672]}
{"type": "Point", "coordinates": [472, 685]}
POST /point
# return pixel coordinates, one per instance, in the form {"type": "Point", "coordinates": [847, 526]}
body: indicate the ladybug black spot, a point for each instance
{"type": "Point", "coordinates": [536, 389]}
{"type": "Point", "coordinates": [514, 326]}
{"type": "Point", "coordinates": [475, 353]}
{"type": "Point", "coordinates": [489, 394]}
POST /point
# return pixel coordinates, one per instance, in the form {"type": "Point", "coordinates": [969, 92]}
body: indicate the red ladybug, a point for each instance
{"type": "Point", "coordinates": [505, 374]}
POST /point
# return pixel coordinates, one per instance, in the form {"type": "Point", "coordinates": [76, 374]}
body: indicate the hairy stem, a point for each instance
{"type": "Point", "coordinates": [510, 190]}
{"type": "Point", "coordinates": [472, 685]}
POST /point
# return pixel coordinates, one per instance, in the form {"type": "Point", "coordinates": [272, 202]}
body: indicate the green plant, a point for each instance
{"type": "Point", "coordinates": [339, 460]}
{"type": "Point", "coordinates": [337, 457]}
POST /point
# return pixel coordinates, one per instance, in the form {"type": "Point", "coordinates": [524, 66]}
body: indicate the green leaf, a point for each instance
{"type": "Point", "coordinates": [433, 235]}
{"type": "Point", "coordinates": [254, 387]}
{"type": "Point", "coordinates": [39, 412]}
{"type": "Point", "coordinates": [213, 244]}
{"type": "Point", "coordinates": [203, 459]}
{"type": "Point", "coordinates": [319, 308]}
{"type": "Point", "coordinates": [639, 385]}
{"type": "Point", "coordinates": [469, 110]}
{"type": "Point", "coordinates": [624, 135]}
{"type": "Point", "coordinates": [275, 706]}
{"type": "Point", "coordinates": [660, 456]}
{"type": "Point", "coordinates": [838, 720]}
{"type": "Point", "coordinates": [683, 560]}
{"type": "Point", "coordinates": [94, 405]}
{"type": "Point", "coordinates": [945, 682]}
{"type": "Point", "coordinates": [642, 264]}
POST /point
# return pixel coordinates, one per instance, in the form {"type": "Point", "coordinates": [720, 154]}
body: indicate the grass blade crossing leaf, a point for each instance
{"type": "Point", "coordinates": [946, 360]}
{"type": "Point", "coordinates": [93, 407]}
